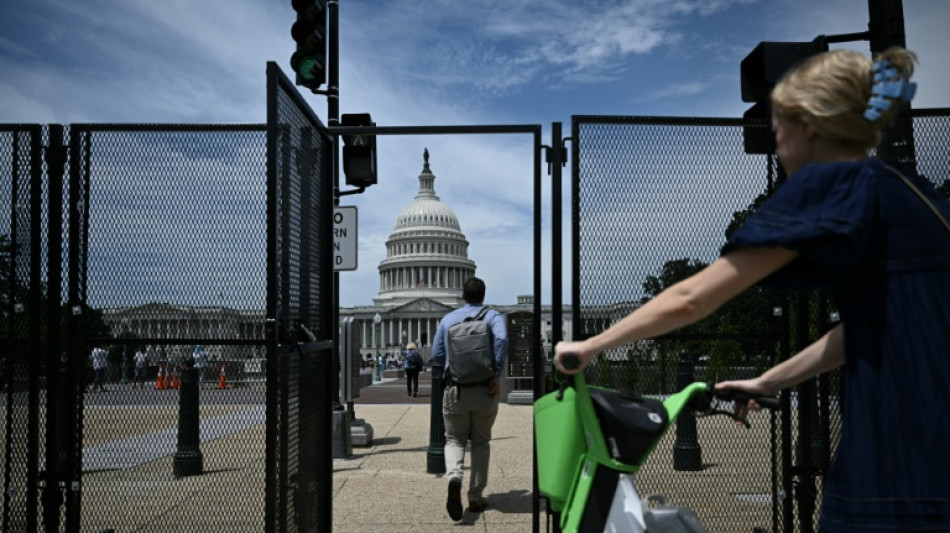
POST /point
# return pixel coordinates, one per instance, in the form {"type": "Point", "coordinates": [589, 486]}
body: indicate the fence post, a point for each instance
{"type": "Point", "coordinates": [188, 459]}
{"type": "Point", "coordinates": [687, 454]}
{"type": "Point", "coordinates": [435, 455]}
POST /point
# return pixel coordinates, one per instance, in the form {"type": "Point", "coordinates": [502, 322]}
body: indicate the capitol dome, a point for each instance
{"type": "Point", "coordinates": [427, 253]}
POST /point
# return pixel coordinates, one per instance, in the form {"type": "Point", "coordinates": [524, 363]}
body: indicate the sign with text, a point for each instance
{"type": "Point", "coordinates": [344, 237]}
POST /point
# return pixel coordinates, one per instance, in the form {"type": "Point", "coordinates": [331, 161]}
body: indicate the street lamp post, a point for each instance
{"type": "Point", "coordinates": [377, 320]}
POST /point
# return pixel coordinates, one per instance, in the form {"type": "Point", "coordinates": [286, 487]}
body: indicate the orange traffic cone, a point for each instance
{"type": "Point", "coordinates": [175, 384]}
{"type": "Point", "coordinates": [160, 382]}
{"type": "Point", "coordinates": [222, 381]}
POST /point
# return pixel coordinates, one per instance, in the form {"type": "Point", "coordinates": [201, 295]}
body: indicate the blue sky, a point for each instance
{"type": "Point", "coordinates": [417, 62]}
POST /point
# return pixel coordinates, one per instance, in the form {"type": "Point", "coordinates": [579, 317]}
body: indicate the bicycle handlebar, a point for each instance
{"type": "Point", "coordinates": [571, 361]}
{"type": "Point", "coordinates": [768, 402]}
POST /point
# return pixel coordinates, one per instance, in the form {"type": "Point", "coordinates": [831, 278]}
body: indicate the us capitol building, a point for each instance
{"type": "Point", "coordinates": [420, 280]}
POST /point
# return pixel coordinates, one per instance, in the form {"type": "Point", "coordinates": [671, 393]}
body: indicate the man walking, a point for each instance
{"type": "Point", "coordinates": [469, 410]}
{"type": "Point", "coordinates": [100, 366]}
{"type": "Point", "coordinates": [141, 365]}
{"type": "Point", "coordinates": [201, 361]}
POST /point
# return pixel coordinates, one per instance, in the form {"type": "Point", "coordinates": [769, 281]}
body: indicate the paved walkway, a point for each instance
{"type": "Point", "coordinates": [130, 438]}
{"type": "Point", "coordinates": [385, 487]}
{"type": "Point", "coordinates": [382, 487]}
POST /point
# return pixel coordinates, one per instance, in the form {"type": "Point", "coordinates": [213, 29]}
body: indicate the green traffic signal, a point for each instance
{"type": "Point", "coordinates": [310, 33]}
{"type": "Point", "coordinates": [303, 65]}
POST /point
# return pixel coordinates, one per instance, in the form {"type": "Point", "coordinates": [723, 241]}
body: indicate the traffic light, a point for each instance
{"type": "Point", "coordinates": [768, 62]}
{"type": "Point", "coordinates": [309, 62]}
{"type": "Point", "coordinates": [760, 71]}
{"type": "Point", "coordinates": [359, 152]}
{"type": "Point", "coordinates": [757, 136]}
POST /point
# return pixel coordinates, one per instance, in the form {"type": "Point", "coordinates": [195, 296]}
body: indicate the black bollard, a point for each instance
{"type": "Point", "coordinates": [435, 455]}
{"type": "Point", "coordinates": [188, 460]}
{"type": "Point", "coordinates": [687, 454]}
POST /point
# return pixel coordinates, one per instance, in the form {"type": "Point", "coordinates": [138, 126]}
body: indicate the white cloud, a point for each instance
{"type": "Point", "coordinates": [425, 63]}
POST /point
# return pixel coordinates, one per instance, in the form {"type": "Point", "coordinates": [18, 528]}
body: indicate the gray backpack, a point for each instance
{"type": "Point", "coordinates": [471, 350]}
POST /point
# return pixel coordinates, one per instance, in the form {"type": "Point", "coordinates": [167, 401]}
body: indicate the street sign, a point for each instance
{"type": "Point", "coordinates": [344, 237]}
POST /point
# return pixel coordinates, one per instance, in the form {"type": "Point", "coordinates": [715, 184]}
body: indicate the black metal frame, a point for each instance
{"type": "Point", "coordinates": [25, 339]}
{"type": "Point", "coordinates": [299, 299]}
{"type": "Point", "coordinates": [812, 428]}
{"type": "Point", "coordinates": [578, 309]}
{"type": "Point", "coordinates": [529, 129]}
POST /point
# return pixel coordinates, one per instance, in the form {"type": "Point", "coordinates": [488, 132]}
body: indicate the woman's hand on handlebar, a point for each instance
{"type": "Point", "coordinates": [578, 349]}
{"type": "Point", "coordinates": [754, 387]}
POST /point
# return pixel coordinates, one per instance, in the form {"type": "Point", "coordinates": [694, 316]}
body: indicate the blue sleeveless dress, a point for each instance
{"type": "Point", "coordinates": [884, 258]}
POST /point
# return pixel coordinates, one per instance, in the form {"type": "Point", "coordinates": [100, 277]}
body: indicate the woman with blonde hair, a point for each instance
{"type": "Point", "coordinates": [875, 237]}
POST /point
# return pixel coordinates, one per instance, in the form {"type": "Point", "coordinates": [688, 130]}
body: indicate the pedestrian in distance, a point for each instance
{"type": "Point", "coordinates": [201, 362]}
{"type": "Point", "coordinates": [141, 365]}
{"type": "Point", "coordinates": [874, 235]}
{"type": "Point", "coordinates": [413, 364]}
{"type": "Point", "coordinates": [469, 410]}
{"type": "Point", "coordinates": [100, 367]}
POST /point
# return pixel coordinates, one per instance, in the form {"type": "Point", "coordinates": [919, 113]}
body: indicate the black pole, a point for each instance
{"type": "Point", "coordinates": [687, 454]}
{"type": "Point", "coordinates": [188, 459]}
{"type": "Point", "coordinates": [556, 159]}
{"type": "Point", "coordinates": [75, 345]}
{"type": "Point", "coordinates": [59, 450]}
{"type": "Point", "coordinates": [333, 119]}
{"type": "Point", "coordinates": [807, 492]}
{"type": "Point", "coordinates": [435, 455]}
{"type": "Point", "coordinates": [539, 358]}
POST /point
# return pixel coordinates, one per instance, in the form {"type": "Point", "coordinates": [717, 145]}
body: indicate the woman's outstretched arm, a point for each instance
{"type": "Point", "coordinates": [683, 303]}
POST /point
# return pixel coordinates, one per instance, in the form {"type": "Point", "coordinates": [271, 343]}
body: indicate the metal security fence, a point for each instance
{"type": "Point", "coordinates": [654, 199]}
{"type": "Point", "coordinates": [23, 332]}
{"type": "Point", "coordinates": [300, 302]}
{"type": "Point", "coordinates": [931, 137]}
{"type": "Point", "coordinates": [160, 247]}
{"type": "Point", "coordinates": [173, 263]}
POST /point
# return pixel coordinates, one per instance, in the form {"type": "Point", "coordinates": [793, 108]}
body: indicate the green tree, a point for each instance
{"type": "Point", "coordinates": [740, 217]}
{"type": "Point", "coordinates": [19, 326]}
{"type": "Point", "coordinates": [728, 336]}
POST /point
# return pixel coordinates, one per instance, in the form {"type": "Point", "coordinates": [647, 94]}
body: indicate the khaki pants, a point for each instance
{"type": "Point", "coordinates": [469, 415]}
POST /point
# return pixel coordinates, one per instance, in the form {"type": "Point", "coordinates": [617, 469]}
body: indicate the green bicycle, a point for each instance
{"type": "Point", "coordinates": [591, 441]}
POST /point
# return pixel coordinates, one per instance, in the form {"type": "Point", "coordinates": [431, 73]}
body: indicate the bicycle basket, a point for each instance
{"type": "Point", "coordinates": [559, 439]}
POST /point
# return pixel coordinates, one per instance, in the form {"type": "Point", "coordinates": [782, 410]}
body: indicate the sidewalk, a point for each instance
{"type": "Point", "coordinates": [128, 482]}
{"type": "Point", "coordinates": [385, 487]}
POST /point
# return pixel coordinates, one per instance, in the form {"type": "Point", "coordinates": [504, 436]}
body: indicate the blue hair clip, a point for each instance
{"type": "Point", "coordinates": [887, 84]}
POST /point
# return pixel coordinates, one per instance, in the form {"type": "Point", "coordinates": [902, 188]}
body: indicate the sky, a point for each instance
{"type": "Point", "coordinates": [421, 62]}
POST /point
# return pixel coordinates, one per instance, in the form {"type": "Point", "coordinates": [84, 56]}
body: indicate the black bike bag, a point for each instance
{"type": "Point", "coordinates": [629, 422]}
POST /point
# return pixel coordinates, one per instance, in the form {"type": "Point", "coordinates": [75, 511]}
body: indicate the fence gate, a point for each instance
{"type": "Point", "coordinates": [299, 312]}
{"type": "Point", "coordinates": [652, 198]}
{"type": "Point", "coordinates": [36, 416]}
{"type": "Point", "coordinates": [653, 201]}
{"type": "Point", "coordinates": [155, 243]}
